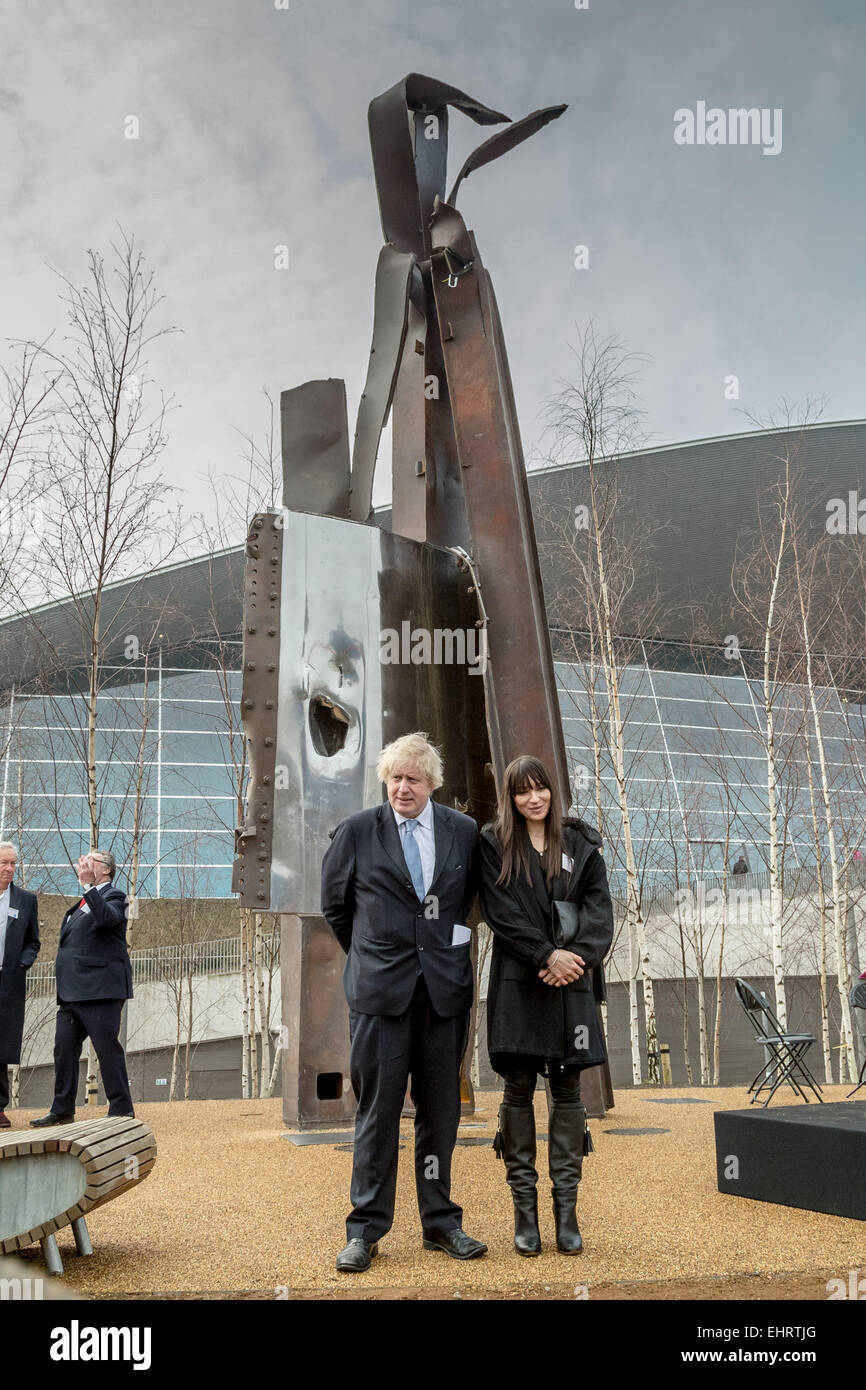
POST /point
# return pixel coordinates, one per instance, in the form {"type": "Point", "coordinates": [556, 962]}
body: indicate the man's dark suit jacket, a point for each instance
{"type": "Point", "coordinates": [370, 903]}
{"type": "Point", "coordinates": [22, 948]}
{"type": "Point", "coordinates": [92, 958]}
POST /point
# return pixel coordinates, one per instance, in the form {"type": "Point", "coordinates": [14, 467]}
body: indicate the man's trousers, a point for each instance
{"type": "Point", "coordinates": [99, 1020]}
{"type": "Point", "coordinates": [385, 1052]}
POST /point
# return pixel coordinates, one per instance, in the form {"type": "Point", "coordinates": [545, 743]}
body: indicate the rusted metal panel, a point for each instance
{"type": "Point", "coordinates": [404, 205]}
{"type": "Point", "coordinates": [409, 486]}
{"type": "Point", "coordinates": [502, 142]}
{"type": "Point", "coordinates": [521, 680]}
{"type": "Point", "coordinates": [447, 522]}
{"type": "Point", "coordinates": [315, 447]}
{"type": "Point", "coordinates": [316, 725]}
{"type": "Point", "coordinates": [336, 704]}
{"type": "Point", "coordinates": [390, 313]}
{"type": "Point", "coordinates": [315, 1026]}
{"type": "Point", "coordinates": [251, 872]}
{"type": "Point", "coordinates": [438, 361]}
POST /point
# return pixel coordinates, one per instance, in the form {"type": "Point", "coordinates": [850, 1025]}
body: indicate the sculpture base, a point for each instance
{"type": "Point", "coordinates": [596, 1091]}
{"type": "Point", "coordinates": [317, 1091]}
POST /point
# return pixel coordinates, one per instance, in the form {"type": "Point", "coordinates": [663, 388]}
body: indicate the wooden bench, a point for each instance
{"type": "Point", "coordinates": [53, 1178]}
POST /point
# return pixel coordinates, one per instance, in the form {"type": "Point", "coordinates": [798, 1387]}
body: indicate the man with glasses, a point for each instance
{"type": "Point", "coordinates": [94, 978]}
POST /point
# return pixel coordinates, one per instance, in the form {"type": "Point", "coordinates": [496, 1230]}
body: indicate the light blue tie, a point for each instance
{"type": "Point", "coordinates": [412, 855]}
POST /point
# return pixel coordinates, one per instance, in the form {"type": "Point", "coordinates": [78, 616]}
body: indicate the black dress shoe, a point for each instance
{"type": "Point", "coordinates": [457, 1244]}
{"type": "Point", "coordinates": [51, 1119]}
{"type": "Point", "coordinates": [356, 1256]}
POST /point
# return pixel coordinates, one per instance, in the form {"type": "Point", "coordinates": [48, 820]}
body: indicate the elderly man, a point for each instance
{"type": "Point", "coordinates": [19, 947]}
{"type": "Point", "coordinates": [94, 978]}
{"type": "Point", "coordinates": [398, 881]}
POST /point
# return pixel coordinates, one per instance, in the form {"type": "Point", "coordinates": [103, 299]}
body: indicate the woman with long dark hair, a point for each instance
{"type": "Point", "coordinates": [545, 897]}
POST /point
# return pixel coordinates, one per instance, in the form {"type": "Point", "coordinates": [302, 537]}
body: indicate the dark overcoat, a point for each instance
{"type": "Point", "coordinates": [386, 930]}
{"type": "Point", "coordinates": [22, 948]}
{"type": "Point", "coordinates": [524, 1015]}
{"type": "Point", "coordinates": [92, 957]}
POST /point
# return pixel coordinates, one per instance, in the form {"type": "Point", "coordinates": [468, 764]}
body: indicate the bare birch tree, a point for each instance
{"type": "Point", "coordinates": [105, 510]}
{"type": "Point", "coordinates": [237, 500]}
{"type": "Point", "coordinates": [595, 418]}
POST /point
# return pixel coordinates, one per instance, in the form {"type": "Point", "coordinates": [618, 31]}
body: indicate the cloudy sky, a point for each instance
{"type": "Point", "coordinates": [712, 259]}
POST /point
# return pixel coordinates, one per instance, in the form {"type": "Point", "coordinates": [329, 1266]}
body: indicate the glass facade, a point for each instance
{"type": "Point", "coordinates": [695, 770]}
{"type": "Point", "coordinates": [169, 755]}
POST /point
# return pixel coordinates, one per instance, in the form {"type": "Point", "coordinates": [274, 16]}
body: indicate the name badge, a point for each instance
{"type": "Point", "coordinates": [567, 863]}
{"type": "Point", "coordinates": [12, 912]}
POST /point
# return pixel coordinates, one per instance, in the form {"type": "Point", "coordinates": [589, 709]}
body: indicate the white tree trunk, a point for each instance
{"type": "Point", "coordinates": [717, 1025]}
{"type": "Point", "coordinates": [637, 933]}
{"type": "Point", "coordinates": [275, 1070]}
{"type": "Point", "coordinates": [263, 1012]}
{"type": "Point", "coordinates": [91, 1085]}
{"type": "Point", "coordinates": [776, 906]}
{"type": "Point", "coordinates": [245, 1007]}
{"type": "Point", "coordinates": [251, 1008]}
{"type": "Point", "coordinates": [178, 1007]}
{"type": "Point", "coordinates": [847, 1055]}
{"type": "Point", "coordinates": [822, 922]}
{"type": "Point", "coordinates": [703, 1035]}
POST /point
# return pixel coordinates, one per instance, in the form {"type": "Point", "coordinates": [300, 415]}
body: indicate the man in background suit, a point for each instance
{"type": "Point", "coordinates": [19, 947]}
{"type": "Point", "coordinates": [398, 881]}
{"type": "Point", "coordinates": [94, 978]}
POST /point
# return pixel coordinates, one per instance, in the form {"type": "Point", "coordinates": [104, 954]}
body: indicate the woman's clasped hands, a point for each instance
{"type": "Point", "coordinates": [562, 968]}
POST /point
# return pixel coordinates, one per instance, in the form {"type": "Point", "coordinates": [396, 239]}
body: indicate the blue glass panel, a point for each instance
{"type": "Point", "coordinates": [195, 748]}
{"type": "Point", "coordinates": [195, 780]}
{"type": "Point", "coordinates": [200, 718]}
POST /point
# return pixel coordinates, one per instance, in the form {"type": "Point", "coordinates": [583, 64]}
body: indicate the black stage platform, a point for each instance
{"type": "Point", "coordinates": [810, 1156]}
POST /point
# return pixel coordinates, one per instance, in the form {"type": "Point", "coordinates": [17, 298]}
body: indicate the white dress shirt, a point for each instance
{"type": "Point", "coordinates": [424, 839]}
{"type": "Point", "coordinates": [5, 899]}
{"type": "Point", "coordinates": [86, 887]}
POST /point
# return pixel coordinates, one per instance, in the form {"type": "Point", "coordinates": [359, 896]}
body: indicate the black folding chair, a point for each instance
{"type": "Point", "coordinates": [858, 1001]}
{"type": "Point", "coordinates": [785, 1052]}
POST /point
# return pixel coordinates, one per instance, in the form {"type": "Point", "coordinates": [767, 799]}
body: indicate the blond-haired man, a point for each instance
{"type": "Point", "coordinates": [19, 947]}
{"type": "Point", "coordinates": [398, 881]}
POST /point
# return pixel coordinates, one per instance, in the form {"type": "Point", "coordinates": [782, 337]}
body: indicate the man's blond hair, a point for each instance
{"type": "Point", "coordinates": [415, 749]}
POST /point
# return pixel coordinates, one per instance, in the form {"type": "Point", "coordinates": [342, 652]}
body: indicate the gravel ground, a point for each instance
{"type": "Point", "coordinates": [232, 1208]}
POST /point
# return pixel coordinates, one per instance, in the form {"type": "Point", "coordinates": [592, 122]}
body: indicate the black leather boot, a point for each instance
{"type": "Point", "coordinates": [566, 1140]}
{"type": "Point", "coordinates": [517, 1128]}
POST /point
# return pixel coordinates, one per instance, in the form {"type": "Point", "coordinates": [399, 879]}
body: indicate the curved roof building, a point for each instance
{"type": "Point", "coordinates": [169, 750]}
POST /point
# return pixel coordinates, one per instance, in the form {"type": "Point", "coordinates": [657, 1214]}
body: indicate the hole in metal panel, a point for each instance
{"type": "Point", "coordinates": [329, 725]}
{"type": "Point", "coordinates": [329, 1085]}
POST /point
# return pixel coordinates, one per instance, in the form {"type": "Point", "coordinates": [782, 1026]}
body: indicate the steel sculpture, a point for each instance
{"type": "Point", "coordinates": [324, 583]}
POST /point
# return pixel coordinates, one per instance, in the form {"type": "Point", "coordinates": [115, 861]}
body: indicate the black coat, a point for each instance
{"type": "Point", "coordinates": [370, 903]}
{"type": "Point", "coordinates": [524, 1015]}
{"type": "Point", "coordinates": [22, 948]}
{"type": "Point", "coordinates": [92, 958]}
